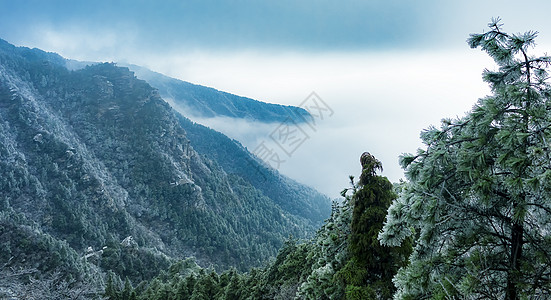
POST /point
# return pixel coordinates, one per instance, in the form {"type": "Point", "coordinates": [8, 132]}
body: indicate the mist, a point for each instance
{"type": "Point", "coordinates": [381, 103]}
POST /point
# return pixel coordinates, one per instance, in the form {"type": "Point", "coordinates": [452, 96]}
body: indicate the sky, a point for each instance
{"type": "Point", "coordinates": [386, 68]}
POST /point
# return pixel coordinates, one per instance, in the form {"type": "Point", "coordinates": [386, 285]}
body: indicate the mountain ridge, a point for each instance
{"type": "Point", "coordinates": [96, 158]}
{"type": "Point", "coordinates": [206, 102]}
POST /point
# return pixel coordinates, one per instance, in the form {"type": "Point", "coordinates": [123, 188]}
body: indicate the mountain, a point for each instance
{"type": "Point", "coordinates": [204, 102]}
{"type": "Point", "coordinates": [98, 173]}
{"type": "Point", "coordinates": [229, 153]}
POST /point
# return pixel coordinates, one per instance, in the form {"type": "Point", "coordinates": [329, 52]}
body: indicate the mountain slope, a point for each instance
{"type": "Point", "coordinates": [204, 102]}
{"type": "Point", "coordinates": [236, 159]}
{"type": "Point", "coordinates": [96, 158]}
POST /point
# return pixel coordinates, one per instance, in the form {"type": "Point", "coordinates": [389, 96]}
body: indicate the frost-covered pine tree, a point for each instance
{"type": "Point", "coordinates": [370, 266]}
{"type": "Point", "coordinates": [329, 253]}
{"type": "Point", "coordinates": [478, 201]}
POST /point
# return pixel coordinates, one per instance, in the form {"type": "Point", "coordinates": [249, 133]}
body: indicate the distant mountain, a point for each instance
{"type": "Point", "coordinates": [205, 102]}
{"type": "Point", "coordinates": [98, 173]}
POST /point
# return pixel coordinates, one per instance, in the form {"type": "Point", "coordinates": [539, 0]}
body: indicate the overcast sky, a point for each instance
{"type": "Point", "coordinates": [387, 68]}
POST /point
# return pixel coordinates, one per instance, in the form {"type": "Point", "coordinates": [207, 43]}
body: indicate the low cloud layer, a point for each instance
{"type": "Point", "coordinates": [381, 102]}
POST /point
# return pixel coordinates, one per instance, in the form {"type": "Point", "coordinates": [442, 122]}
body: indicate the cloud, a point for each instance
{"type": "Point", "coordinates": [104, 30]}
{"type": "Point", "coordinates": [381, 102]}
{"type": "Point", "coordinates": [309, 25]}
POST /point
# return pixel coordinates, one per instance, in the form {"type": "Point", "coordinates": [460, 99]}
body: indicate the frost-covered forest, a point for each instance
{"type": "Point", "coordinates": [107, 193]}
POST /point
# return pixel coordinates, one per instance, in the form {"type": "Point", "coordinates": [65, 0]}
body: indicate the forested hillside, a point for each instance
{"type": "Point", "coordinates": [343, 260]}
{"type": "Point", "coordinates": [205, 102]}
{"type": "Point", "coordinates": [233, 158]}
{"type": "Point", "coordinates": [97, 174]}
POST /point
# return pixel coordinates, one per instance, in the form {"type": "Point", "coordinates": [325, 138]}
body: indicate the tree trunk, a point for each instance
{"type": "Point", "coordinates": [517, 233]}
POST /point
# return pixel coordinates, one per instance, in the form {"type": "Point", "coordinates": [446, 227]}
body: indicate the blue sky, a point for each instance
{"type": "Point", "coordinates": [388, 69]}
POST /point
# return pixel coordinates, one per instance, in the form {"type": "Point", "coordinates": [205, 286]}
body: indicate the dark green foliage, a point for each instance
{"type": "Point", "coordinates": [35, 264]}
{"type": "Point", "coordinates": [48, 254]}
{"type": "Point", "coordinates": [95, 157]}
{"type": "Point", "coordinates": [291, 267]}
{"type": "Point", "coordinates": [370, 268]}
{"type": "Point", "coordinates": [183, 281]}
{"type": "Point", "coordinates": [344, 260]}
{"type": "Point", "coordinates": [128, 292]}
{"type": "Point", "coordinates": [112, 286]}
{"type": "Point", "coordinates": [234, 287]}
{"type": "Point", "coordinates": [207, 286]}
{"type": "Point", "coordinates": [132, 262]}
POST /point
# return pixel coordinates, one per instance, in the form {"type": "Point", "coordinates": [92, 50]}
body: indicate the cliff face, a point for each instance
{"type": "Point", "coordinates": [91, 157]}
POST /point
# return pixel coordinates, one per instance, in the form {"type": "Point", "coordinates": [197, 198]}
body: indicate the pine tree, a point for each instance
{"type": "Point", "coordinates": [185, 287]}
{"type": "Point", "coordinates": [369, 271]}
{"type": "Point", "coordinates": [478, 198]}
{"type": "Point", "coordinates": [112, 287]}
{"type": "Point", "coordinates": [207, 286]}
{"type": "Point", "coordinates": [234, 287]}
{"type": "Point", "coordinates": [128, 292]}
{"type": "Point", "coordinates": [329, 252]}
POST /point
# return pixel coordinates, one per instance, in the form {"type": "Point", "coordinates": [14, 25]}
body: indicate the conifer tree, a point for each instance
{"type": "Point", "coordinates": [112, 287]}
{"type": "Point", "coordinates": [478, 198]}
{"type": "Point", "coordinates": [234, 287]}
{"type": "Point", "coordinates": [369, 271]}
{"type": "Point", "coordinates": [128, 292]}
{"type": "Point", "coordinates": [206, 287]}
{"type": "Point", "coordinates": [329, 253]}
{"type": "Point", "coordinates": [185, 287]}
